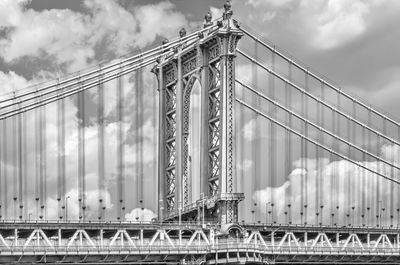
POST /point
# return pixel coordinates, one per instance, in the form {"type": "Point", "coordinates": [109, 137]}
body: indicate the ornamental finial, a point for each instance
{"type": "Point", "coordinates": [228, 12]}
{"type": "Point", "coordinates": [208, 18]}
{"type": "Point", "coordinates": [182, 32]}
{"type": "Point", "coordinates": [227, 5]}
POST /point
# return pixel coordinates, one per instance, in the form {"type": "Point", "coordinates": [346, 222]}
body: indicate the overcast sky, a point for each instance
{"type": "Point", "coordinates": [355, 43]}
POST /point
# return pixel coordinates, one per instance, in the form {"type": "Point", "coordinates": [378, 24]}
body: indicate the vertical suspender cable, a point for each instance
{"type": "Point", "coordinates": [137, 139]}
{"type": "Point", "coordinates": [20, 167]}
{"type": "Point", "coordinates": [59, 158]}
{"type": "Point", "coordinates": [120, 147]}
{"type": "Point", "coordinates": [363, 181]}
{"type": "Point", "coordinates": [321, 197]}
{"type": "Point", "coordinates": [369, 182]}
{"type": "Point", "coordinates": [338, 188]}
{"type": "Point", "coordinates": [287, 154]}
{"type": "Point", "coordinates": [255, 143]}
{"type": "Point", "coordinates": [42, 159]}
{"type": "Point", "coordinates": [25, 164]}
{"type": "Point", "coordinates": [5, 172]}
{"type": "Point", "coordinates": [348, 175]}
{"type": "Point", "coordinates": [6, 160]}
{"type": "Point", "coordinates": [306, 169]}
{"type": "Point", "coordinates": [302, 165]}
{"type": "Point", "coordinates": [384, 198]}
{"type": "Point", "coordinates": [63, 163]}
{"type": "Point", "coordinates": [2, 162]}
{"type": "Point", "coordinates": [318, 202]}
{"type": "Point", "coordinates": [272, 138]}
{"type": "Point", "coordinates": [80, 152]}
{"type": "Point", "coordinates": [44, 149]}
{"type": "Point", "coordinates": [379, 201]}
{"type": "Point", "coordinates": [241, 146]}
{"type": "Point", "coordinates": [155, 136]}
{"type": "Point", "coordinates": [355, 196]}
{"type": "Point", "coordinates": [289, 138]}
{"type": "Point", "coordinates": [100, 144]}
{"type": "Point", "coordinates": [140, 135]}
{"type": "Point", "coordinates": [317, 169]}
{"type": "Point", "coordinates": [37, 161]}
{"type": "Point", "coordinates": [398, 186]}
{"type": "Point", "coordinates": [15, 163]}
{"type": "Point", "coordinates": [83, 127]}
{"type": "Point", "coordinates": [333, 177]}
{"type": "Point", "coordinates": [392, 199]}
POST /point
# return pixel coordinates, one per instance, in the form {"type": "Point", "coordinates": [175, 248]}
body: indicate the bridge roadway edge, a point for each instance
{"type": "Point", "coordinates": [158, 243]}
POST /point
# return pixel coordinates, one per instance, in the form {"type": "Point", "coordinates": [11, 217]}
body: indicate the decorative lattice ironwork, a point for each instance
{"type": "Point", "coordinates": [170, 138]}
{"type": "Point", "coordinates": [214, 111]}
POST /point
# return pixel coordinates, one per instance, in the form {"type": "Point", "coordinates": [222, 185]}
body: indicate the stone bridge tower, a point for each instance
{"type": "Point", "coordinates": [208, 62]}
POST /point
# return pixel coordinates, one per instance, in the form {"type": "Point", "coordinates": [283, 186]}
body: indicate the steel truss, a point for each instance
{"type": "Point", "coordinates": [147, 243]}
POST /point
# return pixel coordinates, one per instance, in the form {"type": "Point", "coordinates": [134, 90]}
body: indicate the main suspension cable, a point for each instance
{"type": "Point", "coordinates": [77, 78]}
{"type": "Point", "coordinates": [334, 109]}
{"type": "Point", "coordinates": [306, 70]}
{"type": "Point", "coordinates": [306, 121]}
{"type": "Point", "coordinates": [316, 143]}
{"type": "Point", "coordinates": [68, 93]}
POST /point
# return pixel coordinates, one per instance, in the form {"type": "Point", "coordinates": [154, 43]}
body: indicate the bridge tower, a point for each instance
{"type": "Point", "coordinates": [209, 62]}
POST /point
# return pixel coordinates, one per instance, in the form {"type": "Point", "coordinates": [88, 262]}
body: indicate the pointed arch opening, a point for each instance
{"type": "Point", "coordinates": [194, 144]}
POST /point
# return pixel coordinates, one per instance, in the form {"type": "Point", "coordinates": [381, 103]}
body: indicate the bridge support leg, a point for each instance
{"type": "Point", "coordinates": [228, 37]}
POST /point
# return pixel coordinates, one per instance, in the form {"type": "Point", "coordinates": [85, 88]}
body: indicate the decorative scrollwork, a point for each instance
{"type": "Point", "coordinates": [230, 128]}
{"type": "Point", "coordinates": [214, 52]}
{"type": "Point", "coordinates": [169, 76]}
{"type": "Point", "coordinates": [170, 137]}
{"type": "Point", "coordinates": [214, 127]}
{"type": "Point", "coordinates": [189, 65]}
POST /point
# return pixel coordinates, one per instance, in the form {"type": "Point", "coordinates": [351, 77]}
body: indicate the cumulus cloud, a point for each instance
{"type": "Point", "coordinates": [76, 40]}
{"type": "Point", "coordinates": [92, 205]}
{"type": "Point", "coordinates": [332, 184]}
{"type": "Point", "coordinates": [327, 23]}
{"type": "Point", "coordinates": [11, 82]}
{"type": "Point", "coordinates": [140, 214]}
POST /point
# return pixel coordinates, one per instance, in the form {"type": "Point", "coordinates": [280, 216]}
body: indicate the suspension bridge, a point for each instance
{"type": "Point", "coordinates": [244, 154]}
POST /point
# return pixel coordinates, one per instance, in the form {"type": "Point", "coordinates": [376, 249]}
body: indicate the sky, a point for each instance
{"type": "Point", "coordinates": [354, 43]}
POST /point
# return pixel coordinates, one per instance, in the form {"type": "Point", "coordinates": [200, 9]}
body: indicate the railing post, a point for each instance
{"type": "Point", "coordinates": [305, 238]}
{"type": "Point", "coordinates": [15, 237]}
{"type": "Point", "coordinates": [59, 237]}
{"type": "Point", "coordinates": [101, 238]}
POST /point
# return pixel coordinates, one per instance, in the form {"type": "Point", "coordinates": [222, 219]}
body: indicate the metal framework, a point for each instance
{"type": "Point", "coordinates": [132, 243]}
{"type": "Point", "coordinates": [210, 61]}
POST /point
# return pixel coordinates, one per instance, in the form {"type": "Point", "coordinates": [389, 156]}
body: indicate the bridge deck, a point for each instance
{"type": "Point", "coordinates": [151, 242]}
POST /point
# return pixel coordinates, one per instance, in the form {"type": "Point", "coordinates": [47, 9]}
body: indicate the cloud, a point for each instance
{"type": "Point", "coordinates": [140, 214]}
{"type": "Point", "coordinates": [323, 24]}
{"type": "Point", "coordinates": [92, 205]}
{"type": "Point", "coordinates": [339, 22]}
{"type": "Point", "coordinates": [249, 130]}
{"type": "Point", "coordinates": [216, 12]}
{"type": "Point", "coordinates": [332, 184]}
{"type": "Point", "coordinates": [11, 82]}
{"type": "Point", "coordinates": [75, 40]}
{"type": "Point", "coordinates": [275, 3]}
